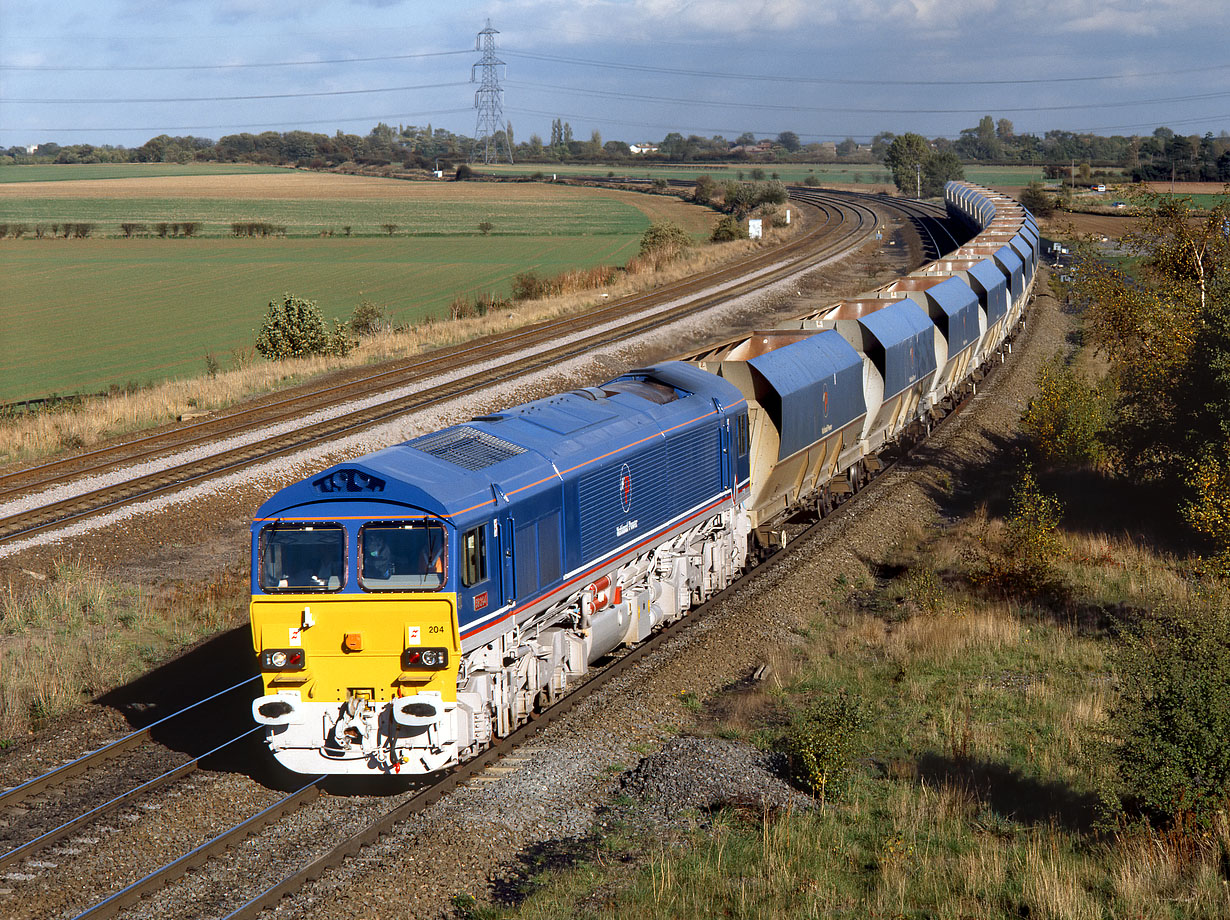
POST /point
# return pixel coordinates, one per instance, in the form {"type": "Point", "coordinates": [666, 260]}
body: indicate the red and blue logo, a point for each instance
{"type": "Point", "coordinates": [625, 488]}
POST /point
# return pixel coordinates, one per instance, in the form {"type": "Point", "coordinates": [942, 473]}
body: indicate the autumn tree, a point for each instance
{"type": "Point", "coordinates": [1165, 330]}
{"type": "Point", "coordinates": [940, 169]}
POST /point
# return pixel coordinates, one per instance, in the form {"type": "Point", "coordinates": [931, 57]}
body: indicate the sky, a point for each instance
{"type": "Point", "coordinates": [122, 71]}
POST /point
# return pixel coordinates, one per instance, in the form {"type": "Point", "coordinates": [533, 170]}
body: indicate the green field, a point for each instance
{"type": "Point", "coordinates": [790, 173]}
{"type": "Point", "coordinates": [82, 315]}
{"type": "Point", "coordinates": [60, 172]}
{"type": "Point", "coordinates": [553, 215]}
{"type": "Point", "coordinates": [1003, 176]}
{"type": "Point", "coordinates": [78, 316]}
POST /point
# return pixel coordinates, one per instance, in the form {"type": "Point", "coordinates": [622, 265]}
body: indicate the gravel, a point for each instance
{"type": "Point", "coordinates": [559, 790]}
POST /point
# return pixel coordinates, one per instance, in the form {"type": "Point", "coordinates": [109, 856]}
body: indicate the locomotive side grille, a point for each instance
{"type": "Point", "coordinates": [602, 497]}
{"type": "Point", "coordinates": [695, 467]}
{"type": "Point", "coordinates": [467, 448]}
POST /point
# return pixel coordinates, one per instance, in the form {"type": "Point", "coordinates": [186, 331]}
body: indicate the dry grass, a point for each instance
{"type": "Point", "coordinates": [78, 634]}
{"type": "Point", "coordinates": [29, 437]}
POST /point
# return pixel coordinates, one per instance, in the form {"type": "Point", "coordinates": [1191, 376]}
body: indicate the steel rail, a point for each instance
{"type": "Point", "coordinates": [85, 762]}
{"type": "Point", "coordinates": [337, 854]}
{"type": "Point", "coordinates": [303, 399]}
{"type": "Point", "coordinates": [444, 784]}
{"type": "Point", "coordinates": [93, 502]}
{"type": "Point", "coordinates": [180, 867]}
{"type": "Point", "coordinates": [111, 805]}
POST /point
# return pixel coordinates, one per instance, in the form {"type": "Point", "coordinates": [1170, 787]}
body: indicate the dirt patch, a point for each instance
{"type": "Point", "coordinates": [1064, 225]}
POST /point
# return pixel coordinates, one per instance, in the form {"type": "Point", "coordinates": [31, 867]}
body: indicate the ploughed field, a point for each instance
{"type": "Point", "coordinates": [128, 305]}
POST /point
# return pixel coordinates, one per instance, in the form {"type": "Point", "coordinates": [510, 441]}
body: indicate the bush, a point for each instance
{"type": "Point", "coordinates": [1170, 723]}
{"type": "Point", "coordinates": [1035, 199]}
{"type": "Point", "coordinates": [464, 172]}
{"type": "Point", "coordinates": [664, 239]}
{"type": "Point", "coordinates": [481, 305]}
{"type": "Point", "coordinates": [1066, 421]}
{"type": "Point", "coordinates": [529, 286]}
{"type": "Point", "coordinates": [295, 328]}
{"type": "Point", "coordinates": [1023, 562]}
{"type": "Point", "coordinates": [726, 229]}
{"type": "Point", "coordinates": [1208, 512]}
{"type": "Point", "coordinates": [823, 744]}
{"type": "Point", "coordinates": [485, 227]}
{"type": "Point", "coordinates": [705, 189]}
{"type": "Point", "coordinates": [367, 319]}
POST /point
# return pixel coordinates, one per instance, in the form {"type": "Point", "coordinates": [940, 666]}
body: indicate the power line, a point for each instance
{"type": "Point", "coordinates": [489, 100]}
{"type": "Point", "coordinates": [831, 81]}
{"type": "Point", "coordinates": [47, 68]}
{"type": "Point", "coordinates": [857, 110]}
{"type": "Point", "coordinates": [370, 119]}
{"type": "Point", "coordinates": [336, 92]}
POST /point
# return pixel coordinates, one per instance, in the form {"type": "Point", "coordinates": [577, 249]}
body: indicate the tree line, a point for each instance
{"type": "Point", "coordinates": [1157, 156]}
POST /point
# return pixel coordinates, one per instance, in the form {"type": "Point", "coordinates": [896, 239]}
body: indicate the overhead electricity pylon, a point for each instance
{"type": "Point", "coordinates": [489, 100]}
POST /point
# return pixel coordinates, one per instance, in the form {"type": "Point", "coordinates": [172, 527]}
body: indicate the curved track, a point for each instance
{"type": "Point", "coordinates": [841, 223]}
{"type": "Point", "coordinates": [855, 216]}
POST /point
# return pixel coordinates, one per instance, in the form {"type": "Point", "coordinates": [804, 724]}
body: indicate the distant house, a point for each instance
{"type": "Point", "coordinates": [643, 148]}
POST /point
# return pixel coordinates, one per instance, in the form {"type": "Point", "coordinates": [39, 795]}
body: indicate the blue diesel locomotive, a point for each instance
{"type": "Point", "coordinates": [412, 604]}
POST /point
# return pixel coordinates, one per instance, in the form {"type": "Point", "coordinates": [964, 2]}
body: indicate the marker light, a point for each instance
{"type": "Point", "coordinates": [433, 659]}
{"type": "Point", "coordinates": [283, 659]}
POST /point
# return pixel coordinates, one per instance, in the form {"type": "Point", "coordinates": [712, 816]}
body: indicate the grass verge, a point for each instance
{"type": "Point", "coordinates": [976, 791]}
{"type": "Point", "coordinates": [76, 634]}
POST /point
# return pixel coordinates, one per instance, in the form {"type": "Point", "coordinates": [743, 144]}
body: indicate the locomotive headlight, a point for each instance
{"type": "Point", "coordinates": [282, 659]}
{"type": "Point", "coordinates": [429, 658]}
{"type": "Point", "coordinates": [435, 657]}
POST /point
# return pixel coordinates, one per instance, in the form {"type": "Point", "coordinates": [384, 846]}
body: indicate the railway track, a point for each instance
{"type": "Point", "coordinates": [229, 443]}
{"type": "Point", "coordinates": [249, 896]}
{"type": "Point", "coordinates": [258, 898]}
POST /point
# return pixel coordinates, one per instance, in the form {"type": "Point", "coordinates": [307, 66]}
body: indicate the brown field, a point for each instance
{"type": "Point", "coordinates": [295, 185]}
{"type": "Point", "coordinates": [1188, 188]}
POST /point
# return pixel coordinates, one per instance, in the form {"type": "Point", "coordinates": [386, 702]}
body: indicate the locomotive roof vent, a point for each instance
{"type": "Point", "coordinates": [468, 448]}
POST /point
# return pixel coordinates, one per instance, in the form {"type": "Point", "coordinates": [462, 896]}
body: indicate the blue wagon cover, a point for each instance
{"type": "Point", "coordinates": [1014, 267]}
{"type": "Point", "coordinates": [1026, 250]}
{"type": "Point", "coordinates": [907, 336]}
{"type": "Point", "coordinates": [960, 306]}
{"type": "Point", "coordinates": [815, 387]}
{"type": "Point", "coordinates": [996, 285]}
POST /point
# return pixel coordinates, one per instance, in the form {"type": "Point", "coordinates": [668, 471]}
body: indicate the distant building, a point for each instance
{"type": "Point", "coordinates": [643, 148]}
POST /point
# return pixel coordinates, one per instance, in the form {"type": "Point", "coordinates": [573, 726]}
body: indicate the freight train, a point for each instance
{"type": "Point", "coordinates": [411, 605]}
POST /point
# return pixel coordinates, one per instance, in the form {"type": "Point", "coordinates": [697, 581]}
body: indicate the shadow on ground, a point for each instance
{"type": "Point", "coordinates": [1009, 793]}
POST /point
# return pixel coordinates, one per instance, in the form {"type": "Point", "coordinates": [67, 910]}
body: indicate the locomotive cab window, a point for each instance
{"type": "Point", "coordinates": [302, 557]}
{"type": "Point", "coordinates": [402, 557]}
{"type": "Point", "coordinates": [474, 556]}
